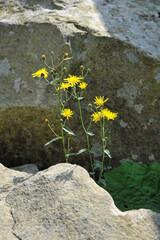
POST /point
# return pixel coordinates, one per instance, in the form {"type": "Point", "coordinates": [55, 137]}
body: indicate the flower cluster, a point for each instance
{"type": "Point", "coordinates": [72, 81]}
{"type": "Point", "coordinates": [104, 113]}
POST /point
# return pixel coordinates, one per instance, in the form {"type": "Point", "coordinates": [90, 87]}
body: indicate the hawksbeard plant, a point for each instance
{"type": "Point", "coordinates": [74, 87]}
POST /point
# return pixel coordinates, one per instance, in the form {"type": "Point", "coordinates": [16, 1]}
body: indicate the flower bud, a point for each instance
{"type": "Point", "coordinates": [65, 55]}
{"type": "Point", "coordinates": [90, 105]}
{"type": "Point", "coordinates": [81, 67]}
{"type": "Point", "coordinates": [43, 57]}
{"type": "Point", "coordinates": [88, 70]}
{"type": "Point", "coordinates": [52, 53]}
{"type": "Point", "coordinates": [64, 69]}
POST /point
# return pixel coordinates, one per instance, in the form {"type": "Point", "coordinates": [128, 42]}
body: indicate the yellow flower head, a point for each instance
{"type": "Point", "coordinates": [100, 101]}
{"type": "Point", "coordinates": [96, 116]}
{"type": "Point", "coordinates": [66, 54]}
{"type": "Point", "coordinates": [73, 80]}
{"type": "Point", "coordinates": [41, 73]}
{"type": "Point", "coordinates": [83, 85]}
{"type": "Point", "coordinates": [108, 114]}
{"type": "Point", "coordinates": [104, 112]}
{"type": "Point", "coordinates": [67, 113]}
{"type": "Point", "coordinates": [64, 86]}
{"type": "Point", "coordinates": [46, 120]}
{"type": "Point", "coordinates": [43, 57]}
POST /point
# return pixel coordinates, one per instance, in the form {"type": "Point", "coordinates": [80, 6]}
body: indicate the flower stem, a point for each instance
{"type": "Point", "coordinates": [87, 137]}
{"type": "Point", "coordinates": [103, 146]}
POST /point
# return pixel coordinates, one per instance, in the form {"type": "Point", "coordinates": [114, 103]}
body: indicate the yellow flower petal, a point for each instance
{"type": "Point", "coordinates": [83, 85]}
{"type": "Point", "coordinates": [73, 80]}
{"type": "Point", "coordinates": [100, 101]}
{"type": "Point", "coordinates": [41, 73]}
{"type": "Point", "coordinates": [96, 116]}
{"type": "Point", "coordinates": [67, 113]}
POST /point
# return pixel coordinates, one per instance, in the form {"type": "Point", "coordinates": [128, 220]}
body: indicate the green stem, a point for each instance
{"type": "Point", "coordinates": [52, 130]}
{"type": "Point", "coordinates": [110, 142]}
{"type": "Point", "coordinates": [87, 137]}
{"type": "Point", "coordinates": [103, 146]}
{"type": "Point", "coordinates": [61, 124]}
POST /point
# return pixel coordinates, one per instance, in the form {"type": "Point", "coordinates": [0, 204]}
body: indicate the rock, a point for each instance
{"type": "Point", "coordinates": [8, 180]}
{"type": "Point", "coordinates": [28, 168]}
{"type": "Point", "coordinates": [117, 40]}
{"type": "Point", "coordinates": [63, 202]}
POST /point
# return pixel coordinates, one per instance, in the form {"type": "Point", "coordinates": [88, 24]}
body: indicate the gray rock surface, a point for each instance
{"type": "Point", "coordinates": [63, 202]}
{"type": "Point", "coordinates": [8, 180]}
{"type": "Point", "coordinates": [117, 40]}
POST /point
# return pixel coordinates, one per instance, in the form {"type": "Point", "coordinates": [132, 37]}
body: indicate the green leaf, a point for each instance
{"type": "Point", "coordinates": [101, 182]}
{"type": "Point", "coordinates": [53, 140]}
{"type": "Point", "coordinates": [134, 186]}
{"type": "Point", "coordinates": [54, 80]}
{"type": "Point", "coordinates": [80, 98]}
{"type": "Point", "coordinates": [92, 173]}
{"type": "Point", "coordinates": [108, 153]}
{"type": "Point", "coordinates": [65, 128]}
{"type": "Point", "coordinates": [77, 153]}
{"type": "Point", "coordinates": [97, 165]}
{"type": "Point", "coordinates": [109, 167]}
{"type": "Point", "coordinates": [90, 133]}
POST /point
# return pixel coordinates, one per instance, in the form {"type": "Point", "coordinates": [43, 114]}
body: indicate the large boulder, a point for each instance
{"type": "Point", "coordinates": [63, 202]}
{"type": "Point", "coordinates": [117, 40]}
{"type": "Point", "coordinates": [8, 180]}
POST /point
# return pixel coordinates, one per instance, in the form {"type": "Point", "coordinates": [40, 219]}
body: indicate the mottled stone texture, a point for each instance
{"type": "Point", "coordinates": [117, 40]}
{"type": "Point", "coordinates": [64, 203]}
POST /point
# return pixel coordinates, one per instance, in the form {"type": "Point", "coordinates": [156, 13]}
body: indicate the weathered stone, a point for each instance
{"type": "Point", "coordinates": [8, 180]}
{"type": "Point", "coordinates": [28, 168]}
{"type": "Point", "coordinates": [117, 40]}
{"type": "Point", "coordinates": [63, 202]}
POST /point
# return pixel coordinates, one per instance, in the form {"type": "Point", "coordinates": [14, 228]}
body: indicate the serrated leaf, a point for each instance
{"type": "Point", "coordinates": [54, 80]}
{"type": "Point", "coordinates": [77, 153]}
{"type": "Point", "coordinates": [66, 129]}
{"type": "Point", "coordinates": [53, 140]}
{"type": "Point", "coordinates": [108, 153]}
{"type": "Point", "coordinates": [90, 133]}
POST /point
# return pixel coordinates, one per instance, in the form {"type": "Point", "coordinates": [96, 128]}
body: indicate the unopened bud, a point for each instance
{"type": "Point", "coordinates": [88, 70]}
{"type": "Point", "coordinates": [52, 53]}
{"type": "Point", "coordinates": [64, 69]}
{"type": "Point", "coordinates": [81, 67]}
{"type": "Point", "coordinates": [90, 105]}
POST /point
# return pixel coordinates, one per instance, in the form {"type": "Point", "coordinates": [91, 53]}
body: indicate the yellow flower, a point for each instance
{"type": "Point", "coordinates": [41, 73]}
{"type": "Point", "coordinates": [104, 112]}
{"type": "Point", "coordinates": [66, 54]}
{"type": "Point", "coordinates": [64, 86]}
{"type": "Point", "coordinates": [67, 113]}
{"type": "Point", "coordinates": [43, 57]}
{"type": "Point", "coordinates": [73, 80]}
{"type": "Point", "coordinates": [108, 114]}
{"type": "Point", "coordinates": [96, 116]}
{"type": "Point", "coordinates": [46, 120]}
{"type": "Point", "coordinates": [83, 85]}
{"type": "Point", "coordinates": [100, 101]}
